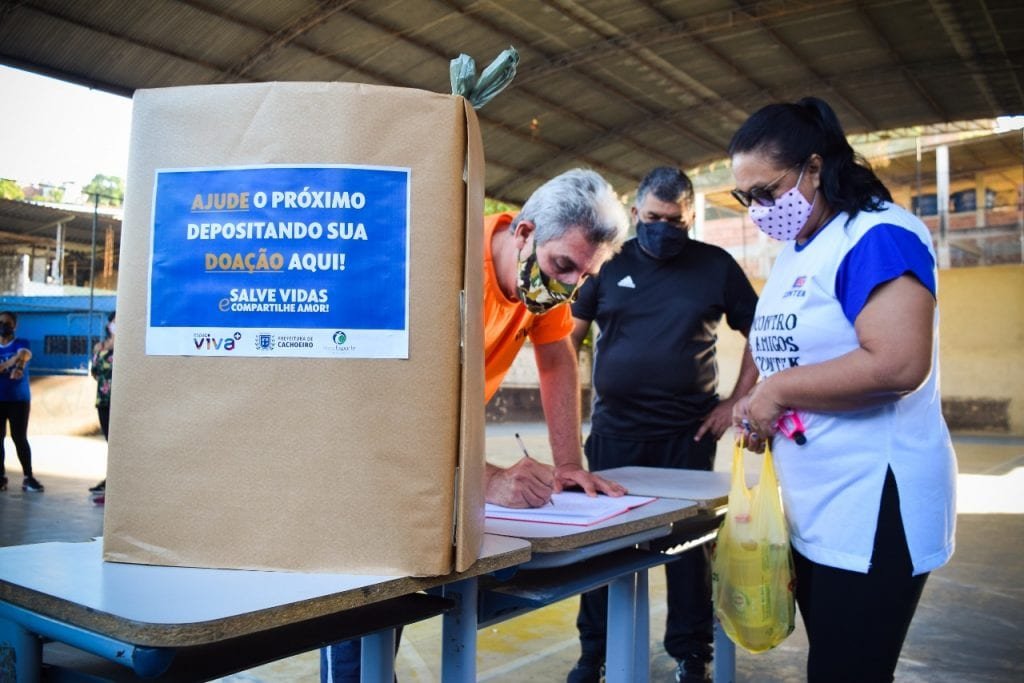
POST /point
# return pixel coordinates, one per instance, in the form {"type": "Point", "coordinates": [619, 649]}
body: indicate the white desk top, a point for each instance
{"type": "Point", "coordinates": [708, 489]}
{"type": "Point", "coordinates": [560, 537]}
{"type": "Point", "coordinates": [168, 606]}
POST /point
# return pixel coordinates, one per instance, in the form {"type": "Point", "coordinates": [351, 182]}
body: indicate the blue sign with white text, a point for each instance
{"type": "Point", "coordinates": [281, 260]}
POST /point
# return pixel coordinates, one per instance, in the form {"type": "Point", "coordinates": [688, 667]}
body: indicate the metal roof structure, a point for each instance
{"type": "Point", "coordinates": [30, 223]}
{"type": "Point", "coordinates": [616, 85]}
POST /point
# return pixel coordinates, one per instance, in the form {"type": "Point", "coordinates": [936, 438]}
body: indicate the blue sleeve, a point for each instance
{"type": "Point", "coordinates": [884, 253]}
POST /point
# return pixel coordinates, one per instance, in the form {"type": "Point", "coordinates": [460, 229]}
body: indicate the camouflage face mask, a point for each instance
{"type": "Point", "coordinates": [538, 292]}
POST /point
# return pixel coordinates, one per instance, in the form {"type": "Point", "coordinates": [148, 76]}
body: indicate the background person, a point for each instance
{"type": "Point", "coordinates": [846, 333]}
{"type": "Point", "coordinates": [657, 305]}
{"type": "Point", "coordinates": [102, 370]}
{"type": "Point", "coordinates": [15, 399]}
{"type": "Point", "coordinates": [533, 263]}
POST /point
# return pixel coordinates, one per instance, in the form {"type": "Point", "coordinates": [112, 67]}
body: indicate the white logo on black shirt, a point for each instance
{"type": "Point", "coordinates": [626, 282]}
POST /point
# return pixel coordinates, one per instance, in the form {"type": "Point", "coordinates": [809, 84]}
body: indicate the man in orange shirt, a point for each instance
{"type": "Point", "coordinates": [533, 262]}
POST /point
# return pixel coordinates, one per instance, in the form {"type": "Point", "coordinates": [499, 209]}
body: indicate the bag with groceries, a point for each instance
{"type": "Point", "coordinates": [752, 566]}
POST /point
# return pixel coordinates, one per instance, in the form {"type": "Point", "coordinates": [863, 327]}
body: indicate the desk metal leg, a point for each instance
{"type": "Point", "coordinates": [21, 653]}
{"type": "Point", "coordinates": [642, 658]}
{"type": "Point", "coordinates": [458, 630]}
{"type": "Point", "coordinates": [725, 656]}
{"type": "Point", "coordinates": [377, 657]}
{"type": "Point", "coordinates": [627, 659]}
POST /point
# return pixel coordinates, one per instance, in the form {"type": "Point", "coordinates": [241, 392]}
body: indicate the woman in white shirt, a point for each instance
{"type": "Point", "coordinates": [846, 335]}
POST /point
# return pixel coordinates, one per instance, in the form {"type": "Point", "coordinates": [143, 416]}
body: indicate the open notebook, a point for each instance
{"type": "Point", "coordinates": [570, 507]}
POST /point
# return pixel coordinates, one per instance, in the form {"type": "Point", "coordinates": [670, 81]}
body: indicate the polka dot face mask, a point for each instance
{"type": "Point", "coordinates": [785, 217]}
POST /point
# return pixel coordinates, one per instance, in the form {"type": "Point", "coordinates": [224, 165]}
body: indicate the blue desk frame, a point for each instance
{"type": "Point", "coordinates": [65, 592]}
{"type": "Point", "coordinates": [576, 551]}
{"type": "Point", "coordinates": [609, 553]}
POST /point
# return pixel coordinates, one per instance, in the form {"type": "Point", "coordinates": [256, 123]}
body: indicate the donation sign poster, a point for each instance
{"type": "Point", "coordinates": [280, 261]}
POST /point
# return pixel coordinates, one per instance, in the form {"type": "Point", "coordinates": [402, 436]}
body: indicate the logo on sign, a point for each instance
{"type": "Point", "coordinates": [339, 338]}
{"type": "Point", "coordinates": [264, 342]}
{"type": "Point", "coordinates": [205, 341]}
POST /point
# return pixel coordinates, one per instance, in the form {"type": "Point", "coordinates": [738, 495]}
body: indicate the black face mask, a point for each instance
{"type": "Point", "coordinates": [661, 240]}
{"type": "Point", "coordinates": [6, 330]}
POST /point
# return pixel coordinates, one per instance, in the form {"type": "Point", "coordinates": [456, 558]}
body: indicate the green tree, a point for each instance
{"type": "Point", "coordinates": [494, 206]}
{"type": "Point", "coordinates": [51, 193]}
{"type": "Point", "coordinates": [10, 189]}
{"type": "Point", "coordinates": [109, 188]}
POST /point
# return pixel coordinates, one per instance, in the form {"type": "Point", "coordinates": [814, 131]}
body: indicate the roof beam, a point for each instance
{"type": "Point", "coordinates": [1014, 73]}
{"type": "Point", "coordinates": [393, 80]}
{"type": "Point", "coordinates": [373, 75]}
{"type": "Point", "coordinates": [800, 59]}
{"type": "Point", "coordinates": [553, 105]}
{"type": "Point", "coordinates": [81, 22]}
{"type": "Point", "coordinates": [947, 16]}
{"type": "Point", "coordinates": [897, 58]}
{"type": "Point", "coordinates": [865, 77]}
{"type": "Point", "coordinates": [548, 103]}
{"type": "Point", "coordinates": [287, 35]}
{"type": "Point", "coordinates": [700, 41]}
{"type": "Point", "coordinates": [573, 10]}
{"type": "Point", "coordinates": [14, 239]}
{"type": "Point", "coordinates": [574, 152]}
{"type": "Point", "coordinates": [733, 20]}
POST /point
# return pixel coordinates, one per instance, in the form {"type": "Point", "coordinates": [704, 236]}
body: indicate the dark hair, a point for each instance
{"type": "Point", "coordinates": [14, 316]}
{"type": "Point", "coordinates": [668, 184]}
{"type": "Point", "coordinates": [789, 133]}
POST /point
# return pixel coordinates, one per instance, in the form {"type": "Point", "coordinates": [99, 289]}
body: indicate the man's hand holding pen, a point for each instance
{"type": "Point", "coordinates": [526, 484]}
{"type": "Point", "coordinates": [530, 483]}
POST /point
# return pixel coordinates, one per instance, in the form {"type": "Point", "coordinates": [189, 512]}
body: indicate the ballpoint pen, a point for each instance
{"type": "Point", "coordinates": [527, 454]}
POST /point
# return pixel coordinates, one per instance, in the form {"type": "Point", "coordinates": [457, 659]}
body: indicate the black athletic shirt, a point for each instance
{"type": "Point", "coordinates": [655, 372]}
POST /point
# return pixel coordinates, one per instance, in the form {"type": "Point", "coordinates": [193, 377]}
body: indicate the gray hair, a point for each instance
{"type": "Point", "coordinates": [579, 198]}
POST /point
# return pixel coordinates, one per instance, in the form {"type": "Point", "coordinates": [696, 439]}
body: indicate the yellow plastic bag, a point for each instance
{"type": "Point", "coordinates": [752, 566]}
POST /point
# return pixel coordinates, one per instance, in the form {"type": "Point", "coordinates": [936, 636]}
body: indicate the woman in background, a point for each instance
{"type": "Point", "coordinates": [15, 399]}
{"type": "Point", "coordinates": [102, 370]}
{"type": "Point", "coordinates": [846, 335]}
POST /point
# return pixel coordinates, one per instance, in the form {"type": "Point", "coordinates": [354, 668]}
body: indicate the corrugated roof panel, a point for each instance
{"type": "Point", "coordinates": [597, 76]}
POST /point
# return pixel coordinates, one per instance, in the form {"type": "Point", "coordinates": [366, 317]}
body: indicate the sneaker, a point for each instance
{"type": "Point", "coordinates": [587, 670]}
{"type": "Point", "coordinates": [3, 483]}
{"type": "Point", "coordinates": [99, 488]}
{"type": "Point", "coordinates": [31, 484]}
{"type": "Point", "coordinates": [692, 671]}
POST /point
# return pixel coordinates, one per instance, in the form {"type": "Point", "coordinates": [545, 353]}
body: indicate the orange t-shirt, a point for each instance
{"type": "Point", "coordinates": [507, 322]}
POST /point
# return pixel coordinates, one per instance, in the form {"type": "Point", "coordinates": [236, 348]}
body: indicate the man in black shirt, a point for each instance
{"type": "Point", "coordinates": [657, 305]}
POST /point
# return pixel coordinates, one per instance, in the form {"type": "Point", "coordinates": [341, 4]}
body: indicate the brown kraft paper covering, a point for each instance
{"type": "Point", "coordinates": [307, 464]}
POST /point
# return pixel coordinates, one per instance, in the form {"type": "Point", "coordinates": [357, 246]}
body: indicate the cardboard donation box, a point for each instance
{"type": "Point", "coordinates": [299, 356]}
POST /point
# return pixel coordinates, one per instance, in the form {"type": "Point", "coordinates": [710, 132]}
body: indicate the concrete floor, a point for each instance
{"type": "Point", "coordinates": [968, 627]}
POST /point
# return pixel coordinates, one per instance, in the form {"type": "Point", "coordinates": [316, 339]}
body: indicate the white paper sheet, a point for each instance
{"type": "Point", "coordinates": [570, 507]}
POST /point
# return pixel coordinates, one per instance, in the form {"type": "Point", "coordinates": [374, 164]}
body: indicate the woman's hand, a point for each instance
{"type": "Point", "coordinates": [764, 410]}
{"type": "Point", "coordinates": [756, 415]}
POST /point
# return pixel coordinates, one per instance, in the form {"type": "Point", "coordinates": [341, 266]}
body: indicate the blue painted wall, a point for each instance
{"type": "Point", "coordinates": [60, 329]}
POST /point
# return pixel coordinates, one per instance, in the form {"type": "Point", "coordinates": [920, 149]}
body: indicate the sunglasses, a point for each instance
{"type": "Point", "coordinates": [764, 194]}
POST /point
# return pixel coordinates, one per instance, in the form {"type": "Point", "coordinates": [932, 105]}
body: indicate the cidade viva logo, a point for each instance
{"type": "Point", "coordinates": [205, 341]}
